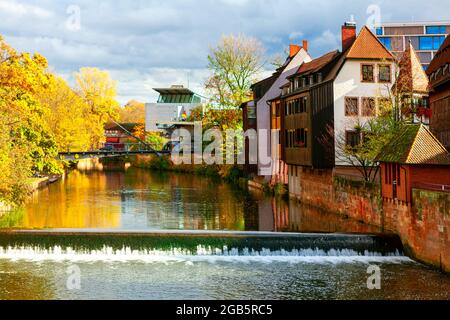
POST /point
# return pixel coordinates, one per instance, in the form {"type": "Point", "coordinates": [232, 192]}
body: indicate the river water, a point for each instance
{"type": "Point", "coordinates": [138, 200]}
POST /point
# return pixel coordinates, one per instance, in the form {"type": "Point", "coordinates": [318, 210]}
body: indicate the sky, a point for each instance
{"type": "Point", "coordinates": [146, 44]}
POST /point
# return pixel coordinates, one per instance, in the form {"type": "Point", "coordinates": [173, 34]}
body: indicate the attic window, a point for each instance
{"type": "Point", "coordinates": [319, 77]}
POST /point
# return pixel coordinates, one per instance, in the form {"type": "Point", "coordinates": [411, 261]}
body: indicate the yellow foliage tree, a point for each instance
{"type": "Point", "coordinates": [99, 91]}
{"type": "Point", "coordinates": [69, 118]}
{"type": "Point", "coordinates": [133, 112]}
{"type": "Point", "coordinates": [26, 143]}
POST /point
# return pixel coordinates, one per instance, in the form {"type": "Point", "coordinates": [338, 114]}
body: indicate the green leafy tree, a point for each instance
{"type": "Point", "coordinates": [234, 64]}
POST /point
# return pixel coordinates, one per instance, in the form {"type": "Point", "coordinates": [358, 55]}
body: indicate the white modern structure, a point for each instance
{"type": "Point", "coordinates": [173, 108]}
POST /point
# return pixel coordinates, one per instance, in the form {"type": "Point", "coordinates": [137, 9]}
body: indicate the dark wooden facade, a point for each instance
{"type": "Point", "coordinates": [249, 123]}
{"type": "Point", "coordinates": [317, 123]}
{"type": "Point", "coordinates": [439, 74]}
{"type": "Point", "coordinates": [312, 120]}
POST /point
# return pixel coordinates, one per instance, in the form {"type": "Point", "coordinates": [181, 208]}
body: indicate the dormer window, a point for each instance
{"type": "Point", "coordinates": [319, 77]}
{"type": "Point", "coordinates": [303, 82]}
{"type": "Point", "coordinates": [311, 80]}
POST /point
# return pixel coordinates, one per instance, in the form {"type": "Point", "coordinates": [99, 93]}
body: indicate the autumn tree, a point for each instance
{"type": "Point", "coordinates": [132, 112]}
{"type": "Point", "coordinates": [99, 91]}
{"type": "Point", "coordinates": [70, 119]}
{"type": "Point", "coordinates": [27, 145]}
{"type": "Point", "coordinates": [234, 64]}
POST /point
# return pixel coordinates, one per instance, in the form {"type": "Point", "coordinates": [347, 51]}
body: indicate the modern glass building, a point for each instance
{"type": "Point", "coordinates": [425, 37]}
{"type": "Point", "coordinates": [174, 106]}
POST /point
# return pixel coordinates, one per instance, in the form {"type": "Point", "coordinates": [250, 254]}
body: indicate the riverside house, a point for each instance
{"type": "Point", "coordinates": [267, 95]}
{"type": "Point", "coordinates": [327, 97]}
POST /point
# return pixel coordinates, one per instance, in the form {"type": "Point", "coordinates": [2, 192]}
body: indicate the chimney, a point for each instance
{"type": "Point", "coordinates": [305, 45]}
{"type": "Point", "coordinates": [348, 35]}
{"type": "Point", "coordinates": [293, 50]}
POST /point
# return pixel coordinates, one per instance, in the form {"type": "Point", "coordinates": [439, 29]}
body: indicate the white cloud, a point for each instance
{"type": "Point", "coordinates": [296, 35]}
{"type": "Point", "coordinates": [327, 40]}
{"type": "Point", "coordinates": [16, 8]}
{"type": "Point", "coordinates": [150, 43]}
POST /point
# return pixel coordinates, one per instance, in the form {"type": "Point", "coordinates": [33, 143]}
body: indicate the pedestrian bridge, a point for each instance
{"type": "Point", "coordinates": [75, 156]}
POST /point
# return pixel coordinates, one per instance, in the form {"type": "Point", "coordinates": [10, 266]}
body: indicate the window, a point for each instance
{"type": "Point", "coordinates": [277, 110]}
{"type": "Point", "coordinates": [303, 104]}
{"type": "Point", "coordinates": [384, 104]}
{"type": "Point", "coordinates": [251, 112]}
{"type": "Point", "coordinates": [351, 107]}
{"type": "Point", "coordinates": [286, 137]}
{"type": "Point", "coordinates": [379, 31]}
{"type": "Point", "coordinates": [367, 73]}
{"type": "Point", "coordinates": [437, 42]}
{"type": "Point", "coordinates": [301, 138]}
{"type": "Point", "coordinates": [384, 73]}
{"type": "Point", "coordinates": [352, 138]}
{"type": "Point", "coordinates": [386, 42]}
{"type": "Point", "coordinates": [431, 43]}
{"type": "Point", "coordinates": [368, 107]}
{"type": "Point", "coordinates": [436, 30]}
{"type": "Point", "coordinates": [297, 106]}
{"type": "Point", "coordinates": [426, 43]}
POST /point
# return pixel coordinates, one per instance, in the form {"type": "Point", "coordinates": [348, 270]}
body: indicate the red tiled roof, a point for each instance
{"type": "Point", "coordinates": [317, 64]}
{"type": "Point", "coordinates": [412, 77]}
{"type": "Point", "coordinates": [367, 46]}
{"type": "Point", "coordinates": [441, 58]}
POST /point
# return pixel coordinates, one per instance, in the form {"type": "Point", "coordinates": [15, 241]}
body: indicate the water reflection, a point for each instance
{"type": "Point", "coordinates": [138, 199]}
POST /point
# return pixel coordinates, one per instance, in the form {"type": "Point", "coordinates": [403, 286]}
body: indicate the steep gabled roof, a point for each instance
{"type": "Point", "coordinates": [318, 64]}
{"type": "Point", "coordinates": [367, 46]}
{"type": "Point", "coordinates": [412, 78]}
{"type": "Point", "coordinates": [441, 58]}
{"type": "Point", "coordinates": [415, 144]}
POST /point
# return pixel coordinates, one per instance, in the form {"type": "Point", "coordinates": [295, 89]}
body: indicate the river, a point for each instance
{"type": "Point", "coordinates": [133, 200]}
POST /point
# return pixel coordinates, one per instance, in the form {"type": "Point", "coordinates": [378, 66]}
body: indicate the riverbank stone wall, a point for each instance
{"type": "Point", "coordinates": [424, 226]}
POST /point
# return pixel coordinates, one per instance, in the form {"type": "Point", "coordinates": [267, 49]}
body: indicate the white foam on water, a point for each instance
{"type": "Point", "coordinates": [201, 254]}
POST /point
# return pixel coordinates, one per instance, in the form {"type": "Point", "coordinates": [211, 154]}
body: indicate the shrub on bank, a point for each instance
{"type": "Point", "coordinates": [230, 173]}
{"type": "Point", "coordinates": [281, 190]}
